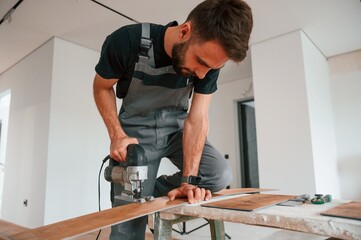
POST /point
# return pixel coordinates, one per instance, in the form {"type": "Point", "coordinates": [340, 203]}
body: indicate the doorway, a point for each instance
{"type": "Point", "coordinates": [248, 144]}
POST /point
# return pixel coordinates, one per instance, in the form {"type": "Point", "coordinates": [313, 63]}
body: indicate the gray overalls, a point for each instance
{"type": "Point", "coordinates": [153, 111]}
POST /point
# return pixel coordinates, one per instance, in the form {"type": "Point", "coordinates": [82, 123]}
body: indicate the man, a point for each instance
{"type": "Point", "coordinates": [156, 69]}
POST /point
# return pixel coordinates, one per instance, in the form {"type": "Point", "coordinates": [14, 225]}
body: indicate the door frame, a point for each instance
{"type": "Point", "coordinates": [242, 139]}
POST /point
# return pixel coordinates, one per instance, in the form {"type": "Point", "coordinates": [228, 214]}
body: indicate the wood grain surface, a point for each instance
{"type": "Point", "coordinates": [235, 191]}
{"type": "Point", "coordinates": [98, 220]}
{"type": "Point", "coordinates": [250, 202]}
{"type": "Point", "coordinates": [8, 228]}
{"type": "Point", "coordinates": [346, 210]}
{"type": "Point", "coordinates": [94, 221]}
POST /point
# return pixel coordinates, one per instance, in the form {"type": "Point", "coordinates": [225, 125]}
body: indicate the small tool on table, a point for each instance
{"type": "Point", "coordinates": [321, 199]}
{"type": "Point", "coordinates": [294, 202]}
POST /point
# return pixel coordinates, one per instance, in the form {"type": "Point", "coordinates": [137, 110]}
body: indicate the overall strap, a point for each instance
{"type": "Point", "coordinates": [146, 54]}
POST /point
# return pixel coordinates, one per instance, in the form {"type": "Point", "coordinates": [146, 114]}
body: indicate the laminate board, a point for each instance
{"type": "Point", "coordinates": [97, 220]}
{"type": "Point", "coordinates": [249, 202]}
{"type": "Point", "coordinates": [8, 228]}
{"type": "Point", "coordinates": [350, 210]}
{"type": "Point", "coordinates": [235, 191]}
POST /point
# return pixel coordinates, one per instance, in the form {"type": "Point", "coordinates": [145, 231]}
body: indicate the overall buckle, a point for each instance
{"type": "Point", "coordinates": [145, 46]}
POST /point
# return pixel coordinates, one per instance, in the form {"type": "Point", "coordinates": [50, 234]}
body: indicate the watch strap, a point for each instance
{"type": "Point", "coordinates": [194, 180]}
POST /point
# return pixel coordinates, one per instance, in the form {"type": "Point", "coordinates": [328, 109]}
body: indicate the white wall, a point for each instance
{"type": "Point", "coordinates": [321, 115]}
{"type": "Point", "coordinates": [56, 137]}
{"type": "Point", "coordinates": [78, 139]}
{"type": "Point", "coordinates": [282, 118]}
{"type": "Point", "coordinates": [295, 130]}
{"type": "Point", "coordinates": [26, 153]}
{"type": "Point", "coordinates": [345, 71]}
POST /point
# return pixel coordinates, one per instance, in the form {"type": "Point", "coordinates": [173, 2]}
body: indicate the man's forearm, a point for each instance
{"type": "Point", "coordinates": [106, 103]}
{"type": "Point", "coordinates": [194, 136]}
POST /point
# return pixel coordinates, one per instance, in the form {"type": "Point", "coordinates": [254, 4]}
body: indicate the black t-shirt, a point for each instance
{"type": "Point", "coordinates": [120, 52]}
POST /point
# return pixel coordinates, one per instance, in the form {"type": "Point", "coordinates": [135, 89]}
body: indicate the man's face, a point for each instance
{"type": "Point", "coordinates": [196, 59]}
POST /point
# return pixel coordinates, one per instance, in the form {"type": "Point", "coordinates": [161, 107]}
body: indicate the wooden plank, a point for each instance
{"type": "Point", "coordinates": [235, 191]}
{"type": "Point", "coordinates": [8, 228]}
{"type": "Point", "coordinates": [250, 202]}
{"type": "Point", "coordinates": [350, 210]}
{"type": "Point", "coordinates": [91, 222]}
{"type": "Point", "coordinates": [94, 221]}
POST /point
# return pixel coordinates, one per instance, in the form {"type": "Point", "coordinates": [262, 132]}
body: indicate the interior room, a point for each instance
{"type": "Point", "coordinates": [286, 118]}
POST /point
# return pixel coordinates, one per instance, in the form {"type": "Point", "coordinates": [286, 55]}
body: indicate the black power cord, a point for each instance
{"type": "Point", "coordinates": [101, 168]}
{"type": "Point", "coordinates": [8, 14]}
{"type": "Point", "coordinates": [111, 9]}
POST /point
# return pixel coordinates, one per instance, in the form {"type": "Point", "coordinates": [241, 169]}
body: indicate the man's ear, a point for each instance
{"type": "Point", "coordinates": [185, 32]}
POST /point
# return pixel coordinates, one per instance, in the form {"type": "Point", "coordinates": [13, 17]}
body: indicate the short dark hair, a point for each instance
{"type": "Point", "coordinates": [229, 22]}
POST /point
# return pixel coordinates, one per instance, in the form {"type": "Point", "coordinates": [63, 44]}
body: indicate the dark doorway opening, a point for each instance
{"type": "Point", "coordinates": [248, 144]}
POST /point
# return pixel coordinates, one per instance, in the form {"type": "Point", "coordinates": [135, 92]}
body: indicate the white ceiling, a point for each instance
{"type": "Point", "coordinates": [333, 25]}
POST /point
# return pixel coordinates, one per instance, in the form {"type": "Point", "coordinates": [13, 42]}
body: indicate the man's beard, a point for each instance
{"type": "Point", "coordinates": [178, 53]}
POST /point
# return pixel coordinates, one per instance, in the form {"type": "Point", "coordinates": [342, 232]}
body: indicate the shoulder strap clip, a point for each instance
{"type": "Point", "coordinates": [145, 46]}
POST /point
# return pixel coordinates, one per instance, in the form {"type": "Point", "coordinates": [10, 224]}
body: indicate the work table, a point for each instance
{"type": "Point", "coordinates": [304, 218]}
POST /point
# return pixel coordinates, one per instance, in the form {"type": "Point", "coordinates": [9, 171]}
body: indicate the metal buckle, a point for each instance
{"type": "Point", "coordinates": [145, 46]}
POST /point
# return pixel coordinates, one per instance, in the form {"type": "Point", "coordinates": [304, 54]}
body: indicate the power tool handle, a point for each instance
{"type": "Point", "coordinates": [135, 156]}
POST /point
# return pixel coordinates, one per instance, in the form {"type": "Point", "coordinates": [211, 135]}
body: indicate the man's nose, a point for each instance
{"type": "Point", "coordinates": [201, 72]}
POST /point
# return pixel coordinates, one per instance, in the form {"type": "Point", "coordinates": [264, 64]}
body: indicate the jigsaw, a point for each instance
{"type": "Point", "coordinates": [130, 174]}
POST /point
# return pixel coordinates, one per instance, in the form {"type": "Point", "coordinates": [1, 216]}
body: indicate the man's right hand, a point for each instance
{"type": "Point", "coordinates": [118, 147]}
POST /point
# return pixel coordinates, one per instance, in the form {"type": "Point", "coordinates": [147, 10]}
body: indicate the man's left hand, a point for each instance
{"type": "Point", "coordinates": [193, 193]}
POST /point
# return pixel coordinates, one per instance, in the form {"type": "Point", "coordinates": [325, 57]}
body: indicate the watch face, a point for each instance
{"type": "Point", "coordinates": [196, 179]}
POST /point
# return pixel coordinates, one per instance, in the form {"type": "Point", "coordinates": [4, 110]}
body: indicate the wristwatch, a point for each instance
{"type": "Point", "coordinates": [194, 180]}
